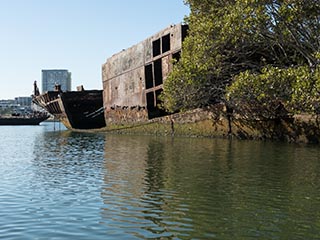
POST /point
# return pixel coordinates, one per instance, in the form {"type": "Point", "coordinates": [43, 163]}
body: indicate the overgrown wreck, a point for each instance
{"type": "Point", "coordinates": [133, 78]}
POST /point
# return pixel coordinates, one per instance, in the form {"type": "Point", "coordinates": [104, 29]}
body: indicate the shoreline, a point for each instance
{"type": "Point", "coordinates": [208, 124]}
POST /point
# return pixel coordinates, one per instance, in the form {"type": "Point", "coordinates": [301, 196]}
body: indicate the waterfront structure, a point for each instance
{"type": "Point", "coordinates": [133, 78]}
{"type": "Point", "coordinates": [8, 103]}
{"type": "Point", "coordinates": [53, 77]}
{"type": "Point", "coordinates": [18, 104]}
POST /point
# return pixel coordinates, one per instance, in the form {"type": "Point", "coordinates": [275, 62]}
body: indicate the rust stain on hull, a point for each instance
{"type": "Point", "coordinates": [133, 78]}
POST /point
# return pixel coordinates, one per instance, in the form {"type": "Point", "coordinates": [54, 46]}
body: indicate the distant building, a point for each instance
{"type": "Point", "coordinates": [18, 105]}
{"type": "Point", "coordinates": [50, 78]}
{"type": "Point", "coordinates": [7, 103]}
{"type": "Point", "coordinates": [23, 101]}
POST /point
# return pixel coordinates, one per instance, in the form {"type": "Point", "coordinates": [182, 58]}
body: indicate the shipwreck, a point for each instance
{"type": "Point", "coordinates": [77, 110]}
{"type": "Point", "coordinates": [133, 78]}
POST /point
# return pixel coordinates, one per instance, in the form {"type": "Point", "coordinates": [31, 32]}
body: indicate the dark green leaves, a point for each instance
{"type": "Point", "coordinates": [243, 41]}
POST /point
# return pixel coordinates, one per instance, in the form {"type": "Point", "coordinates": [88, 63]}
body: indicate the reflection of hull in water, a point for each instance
{"type": "Point", "coordinates": [28, 120]}
{"type": "Point", "coordinates": [75, 109]}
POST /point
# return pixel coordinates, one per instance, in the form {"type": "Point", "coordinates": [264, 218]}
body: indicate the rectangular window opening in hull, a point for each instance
{"type": "Point", "coordinates": [150, 104]}
{"type": "Point", "coordinates": [176, 57]}
{"type": "Point", "coordinates": [184, 32]}
{"type": "Point", "coordinates": [166, 43]}
{"type": "Point", "coordinates": [154, 104]}
{"type": "Point", "coordinates": [158, 72]}
{"type": "Point", "coordinates": [156, 50]}
{"type": "Point", "coordinates": [148, 74]}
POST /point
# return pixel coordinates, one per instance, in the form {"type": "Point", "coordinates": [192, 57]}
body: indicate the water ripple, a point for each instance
{"type": "Point", "coordinates": [64, 185]}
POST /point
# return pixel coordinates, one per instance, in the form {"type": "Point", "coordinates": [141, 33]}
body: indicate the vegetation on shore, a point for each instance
{"type": "Point", "coordinates": [253, 56]}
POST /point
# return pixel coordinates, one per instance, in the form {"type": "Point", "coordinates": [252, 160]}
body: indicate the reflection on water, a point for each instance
{"type": "Point", "coordinates": [66, 185]}
{"type": "Point", "coordinates": [200, 188]}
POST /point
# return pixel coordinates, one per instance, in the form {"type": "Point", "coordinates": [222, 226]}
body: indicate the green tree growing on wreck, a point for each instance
{"type": "Point", "coordinates": [248, 54]}
{"type": "Point", "coordinates": [260, 95]}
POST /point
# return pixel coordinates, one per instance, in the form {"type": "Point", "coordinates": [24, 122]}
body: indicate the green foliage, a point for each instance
{"type": "Point", "coordinates": [254, 95]}
{"type": "Point", "coordinates": [232, 39]}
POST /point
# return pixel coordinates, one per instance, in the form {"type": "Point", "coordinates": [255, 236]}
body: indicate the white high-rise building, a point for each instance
{"type": "Point", "coordinates": [53, 77]}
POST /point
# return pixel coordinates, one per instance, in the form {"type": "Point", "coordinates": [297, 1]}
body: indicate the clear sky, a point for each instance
{"type": "Point", "coordinates": [78, 35]}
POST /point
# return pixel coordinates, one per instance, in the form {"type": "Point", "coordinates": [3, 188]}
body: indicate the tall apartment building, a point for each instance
{"type": "Point", "coordinates": [50, 78]}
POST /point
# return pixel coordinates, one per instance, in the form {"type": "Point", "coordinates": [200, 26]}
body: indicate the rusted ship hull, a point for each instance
{"type": "Point", "coordinates": [77, 110]}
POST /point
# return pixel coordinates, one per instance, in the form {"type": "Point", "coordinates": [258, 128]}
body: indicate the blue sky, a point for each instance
{"type": "Point", "coordinates": [78, 35]}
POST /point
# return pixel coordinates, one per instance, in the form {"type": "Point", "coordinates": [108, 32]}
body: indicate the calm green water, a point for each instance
{"type": "Point", "coordinates": [64, 185]}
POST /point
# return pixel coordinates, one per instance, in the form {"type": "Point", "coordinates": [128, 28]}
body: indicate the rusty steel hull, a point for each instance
{"type": "Point", "coordinates": [76, 109]}
{"type": "Point", "coordinates": [133, 78]}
